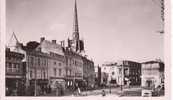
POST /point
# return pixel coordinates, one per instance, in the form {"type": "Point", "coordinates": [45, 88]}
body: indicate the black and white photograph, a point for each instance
{"type": "Point", "coordinates": [85, 48]}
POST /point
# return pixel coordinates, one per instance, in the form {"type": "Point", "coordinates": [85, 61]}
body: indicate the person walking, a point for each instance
{"type": "Point", "coordinates": [103, 93]}
{"type": "Point", "coordinates": [79, 91]}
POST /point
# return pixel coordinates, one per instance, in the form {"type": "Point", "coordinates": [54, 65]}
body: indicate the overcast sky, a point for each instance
{"type": "Point", "coordinates": [111, 29]}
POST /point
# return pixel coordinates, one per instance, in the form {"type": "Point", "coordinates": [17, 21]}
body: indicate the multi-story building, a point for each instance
{"type": "Point", "coordinates": [74, 68]}
{"type": "Point", "coordinates": [56, 62]}
{"type": "Point", "coordinates": [112, 70]}
{"type": "Point", "coordinates": [129, 73]}
{"type": "Point", "coordinates": [101, 77]}
{"type": "Point", "coordinates": [97, 76]}
{"type": "Point", "coordinates": [88, 72]}
{"type": "Point", "coordinates": [37, 70]}
{"type": "Point", "coordinates": [15, 73]}
{"type": "Point", "coordinates": [152, 74]}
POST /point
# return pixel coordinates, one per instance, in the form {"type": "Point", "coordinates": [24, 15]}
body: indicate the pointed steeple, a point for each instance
{"type": "Point", "coordinates": [75, 24]}
{"type": "Point", "coordinates": [14, 44]}
{"type": "Point", "coordinates": [13, 41]}
{"type": "Point", "coordinates": [76, 44]}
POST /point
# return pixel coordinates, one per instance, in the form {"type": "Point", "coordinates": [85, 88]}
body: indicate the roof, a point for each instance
{"type": "Point", "coordinates": [13, 54]}
{"type": "Point", "coordinates": [47, 47]}
{"type": "Point", "coordinates": [151, 62]}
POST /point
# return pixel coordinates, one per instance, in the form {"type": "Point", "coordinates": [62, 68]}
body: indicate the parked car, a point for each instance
{"type": "Point", "coordinates": [159, 90]}
{"type": "Point", "coordinates": [146, 93]}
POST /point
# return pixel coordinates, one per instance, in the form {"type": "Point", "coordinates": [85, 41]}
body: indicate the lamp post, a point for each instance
{"type": "Point", "coordinates": [110, 87]}
{"type": "Point", "coordinates": [122, 79]}
{"type": "Point", "coordinates": [35, 89]}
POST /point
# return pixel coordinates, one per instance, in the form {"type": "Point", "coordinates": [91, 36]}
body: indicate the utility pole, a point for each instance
{"type": "Point", "coordinates": [163, 14]}
{"type": "Point", "coordinates": [35, 89]}
{"type": "Point", "coordinates": [122, 77]}
{"type": "Point", "coordinates": [162, 10]}
{"type": "Point", "coordinates": [161, 5]}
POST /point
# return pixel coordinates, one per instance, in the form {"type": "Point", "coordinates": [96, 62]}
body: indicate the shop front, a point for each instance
{"type": "Point", "coordinates": [15, 87]}
{"type": "Point", "coordinates": [56, 83]}
{"type": "Point", "coordinates": [41, 86]}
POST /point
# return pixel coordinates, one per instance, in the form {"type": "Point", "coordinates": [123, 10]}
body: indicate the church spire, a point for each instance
{"type": "Point", "coordinates": [76, 44]}
{"type": "Point", "coordinates": [75, 24]}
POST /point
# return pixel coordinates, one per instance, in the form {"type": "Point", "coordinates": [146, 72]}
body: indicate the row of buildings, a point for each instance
{"type": "Point", "coordinates": [47, 65]}
{"type": "Point", "coordinates": [148, 74]}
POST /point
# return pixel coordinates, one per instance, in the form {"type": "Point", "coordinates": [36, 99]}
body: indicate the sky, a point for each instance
{"type": "Point", "coordinates": [111, 29]}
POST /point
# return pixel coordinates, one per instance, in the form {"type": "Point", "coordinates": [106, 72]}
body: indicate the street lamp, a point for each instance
{"type": "Point", "coordinates": [122, 78]}
{"type": "Point", "coordinates": [35, 89]}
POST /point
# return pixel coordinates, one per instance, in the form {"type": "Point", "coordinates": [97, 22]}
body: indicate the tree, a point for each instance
{"type": "Point", "coordinates": [32, 45]}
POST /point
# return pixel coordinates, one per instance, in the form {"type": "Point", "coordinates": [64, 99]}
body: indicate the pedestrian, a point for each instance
{"type": "Point", "coordinates": [62, 91]}
{"type": "Point", "coordinates": [103, 93]}
{"type": "Point", "coordinates": [79, 90]}
{"type": "Point", "coordinates": [57, 91]}
{"type": "Point", "coordinates": [49, 90]}
{"type": "Point", "coordinates": [7, 91]}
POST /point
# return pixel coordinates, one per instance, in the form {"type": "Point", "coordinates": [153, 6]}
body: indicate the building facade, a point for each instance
{"type": "Point", "coordinates": [152, 74]}
{"type": "Point", "coordinates": [97, 76]}
{"type": "Point", "coordinates": [101, 78]}
{"type": "Point", "coordinates": [112, 70]}
{"type": "Point", "coordinates": [15, 74]}
{"type": "Point", "coordinates": [37, 72]}
{"type": "Point", "coordinates": [74, 68]}
{"type": "Point", "coordinates": [56, 62]}
{"type": "Point", "coordinates": [129, 73]}
{"type": "Point", "coordinates": [56, 71]}
{"type": "Point", "coordinates": [88, 72]}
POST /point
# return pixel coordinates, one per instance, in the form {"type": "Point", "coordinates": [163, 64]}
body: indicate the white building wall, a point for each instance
{"type": "Point", "coordinates": [153, 74]}
{"type": "Point", "coordinates": [109, 69]}
{"type": "Point", "coordinates": [48, 46]}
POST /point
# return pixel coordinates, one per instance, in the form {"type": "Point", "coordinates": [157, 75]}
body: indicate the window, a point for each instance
{"type": "Point", "coordinates": [44, 74]}
{"type": "Point", "coordinates": [31, 74]}
{"type": "Point", "coordinates": [38, 61]}
{"type": "Point", "coordinates": [54, 71]}
{"type": "Point", "coordinates": [14, 67]}
{"type": "Point", "coordinates": [113, 73]}
{"type": "Point", "coordinates": [55, 63]}
{"type": "Point", "coordinates": [120, 70]}
{"type": "Point", "coordinates": [59, 64]}
{"type": "Point", "coordinates": [9, 58]}
{"type": "Point", "coordinates": [32, 61]}
{"type": "Point", "coordinates": [66, 71]}
{"type": "Point", "coordinates": [60, 72]}
{"type": "Point", "coordinates": [17, 68]}
{"type": "Point", "coordinates": [70, 72]}
{"type": "Point", "coordinates": [75, 63]}
{"type": "Point", "coordinates": [45, 62]}
{"type": "Point", "coordinates": [10, 67]}
{"type": "Point", "coordinates": [126, 72]}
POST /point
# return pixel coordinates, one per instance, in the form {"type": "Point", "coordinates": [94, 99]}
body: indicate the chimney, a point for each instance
{"type": "Point", "coordinates": [62, 44]}
{"type": "Point", "coordinates": [42, 39]}
{"type": "Point", "coordinates": [54, 41]}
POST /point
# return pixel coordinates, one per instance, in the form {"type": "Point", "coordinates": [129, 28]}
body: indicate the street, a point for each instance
{"type": "Point", "coordinates": [133, 91]}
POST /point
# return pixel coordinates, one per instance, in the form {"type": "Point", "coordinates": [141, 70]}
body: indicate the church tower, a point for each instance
{"type": "Point", "coordinates": [77, 45]}
{"type": "Point", "coordinates": [75, 24]}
